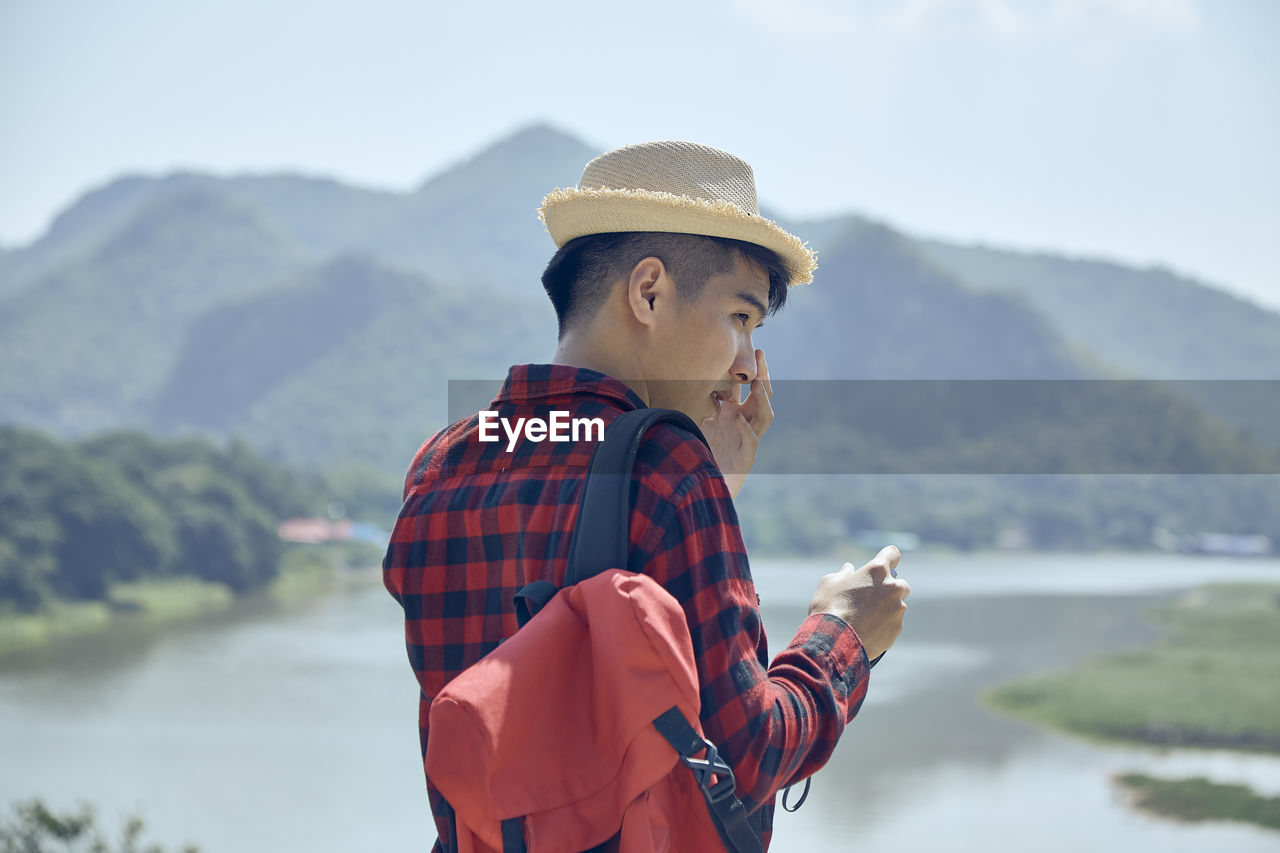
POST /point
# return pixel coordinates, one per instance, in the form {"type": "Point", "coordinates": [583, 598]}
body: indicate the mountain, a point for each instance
{"type": "Point", "coordinates": [477, 222]}
{"type": "Point", "coordinates": [322, 320]}
{"type": "Point", "coordinates": [1147, 322]}
{"type": "Point", "coordinates": [83, 346]}
{"type": "Point", "coordinates": [79, 230]}
{"type": "Point", "coordinates": [350, 361]}
{"type": "Point", "coordinates": [881, 308]}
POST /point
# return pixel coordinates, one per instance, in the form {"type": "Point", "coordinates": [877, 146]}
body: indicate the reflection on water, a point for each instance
{"type": "Point", "coordinates": [924, 768]}
{"type": "Point", "coordinates": [288, 730]}
{"type": "Point", "coordinates": [270, 730]}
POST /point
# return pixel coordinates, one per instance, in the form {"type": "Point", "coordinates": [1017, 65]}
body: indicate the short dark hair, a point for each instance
{"type": "Point", "coordinates": [581, 275]}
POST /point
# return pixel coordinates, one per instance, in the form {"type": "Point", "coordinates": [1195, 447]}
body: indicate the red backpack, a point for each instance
{"type": "Point", "coordinates": [581, 730]}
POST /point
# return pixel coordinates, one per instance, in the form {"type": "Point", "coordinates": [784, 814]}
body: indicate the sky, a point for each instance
{"type": "Point", "coordinates": [1141, 131]}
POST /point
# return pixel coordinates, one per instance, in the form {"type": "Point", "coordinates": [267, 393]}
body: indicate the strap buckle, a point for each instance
{"type": "Point", "coordinates": [704, 768]}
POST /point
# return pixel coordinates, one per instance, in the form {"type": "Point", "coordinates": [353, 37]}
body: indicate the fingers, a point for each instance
{"type": "Point", "coordinates": [728, 434]}
{"type": "Point", "coordinates": [762, 373]}
{"type": "Point", "coordinates": [885, 564]}
{"type": "Point", "coordinates": [733, 444]}
{"type": "Point", "coordinates": [891, 555]}
{"type": "Point", "coordinates": [758, 407]}
{"type": "Point", "coordinates": [742, 417]}
{"type": "Point", "coordinates": [732, 438]}
{"type": "Point", "coordinates": [762, 384]}
{"type": "Point", "coordinates": [762, 417]}
{"type": "Point", "coordinates": [883, 570]}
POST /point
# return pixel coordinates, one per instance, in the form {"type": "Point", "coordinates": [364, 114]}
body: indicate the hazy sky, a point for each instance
{"type": "Point", "coordinates": [1146, 131]}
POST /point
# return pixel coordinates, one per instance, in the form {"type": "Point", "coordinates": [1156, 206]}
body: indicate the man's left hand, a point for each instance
{"type": "Point", "coordinates": [735, 431]}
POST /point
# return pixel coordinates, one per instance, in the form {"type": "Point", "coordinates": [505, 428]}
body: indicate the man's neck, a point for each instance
{"type": "Point", "coordinates": [574, 351]}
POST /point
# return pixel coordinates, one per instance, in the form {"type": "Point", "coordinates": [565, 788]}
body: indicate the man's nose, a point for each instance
{"type": "Point", "coordinates": [744, 364]}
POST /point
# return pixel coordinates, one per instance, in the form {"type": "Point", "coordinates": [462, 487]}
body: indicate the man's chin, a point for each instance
{"type": "Point", "coordinates": [697, 410]}
{"type": "Point", "coordinates": [710, 407]}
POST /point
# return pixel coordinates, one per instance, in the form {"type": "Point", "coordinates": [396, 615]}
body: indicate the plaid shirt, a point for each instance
{"type": "Point", "coordinates": [479, 522]}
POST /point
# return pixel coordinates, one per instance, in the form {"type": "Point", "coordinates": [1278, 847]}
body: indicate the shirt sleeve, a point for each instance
{"type": "Point", "coordinates": [776, 723]}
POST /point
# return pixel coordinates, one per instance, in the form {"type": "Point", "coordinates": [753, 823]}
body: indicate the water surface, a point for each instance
{"type": "Point", "coordinates": [295, 729]}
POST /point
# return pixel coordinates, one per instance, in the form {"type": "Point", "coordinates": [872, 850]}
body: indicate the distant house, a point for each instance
{"type": "Point", "coordinates": [314, 530]}
{"type": "Point", "coordinates": [1227, 544]}
{"type": "Point", "coordinates": [1233, 545]}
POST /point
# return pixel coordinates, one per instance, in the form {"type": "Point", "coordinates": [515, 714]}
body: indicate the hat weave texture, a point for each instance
{"type": "Point", "coordinates": [672, 186]}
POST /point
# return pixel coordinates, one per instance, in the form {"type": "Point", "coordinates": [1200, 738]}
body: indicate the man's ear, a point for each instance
{"type": "Point", "coordinates": [648, 288]}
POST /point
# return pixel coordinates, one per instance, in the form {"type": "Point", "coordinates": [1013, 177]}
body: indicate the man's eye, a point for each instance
{"type": "Point", "coordinates": [743, 317]}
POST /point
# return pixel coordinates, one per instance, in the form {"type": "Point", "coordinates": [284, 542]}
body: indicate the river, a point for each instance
{"type": "Point", "coordinates": [270, 730]}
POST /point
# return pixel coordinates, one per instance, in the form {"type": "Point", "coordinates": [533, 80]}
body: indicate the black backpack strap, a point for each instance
{"type": "Point", "coordinates": [531, 598]}
{"type": "Point", "coordinates": [601, 536]}
{"type": "Point", "coordinates": [601, 540]}
{"type": "Point", "coordinates": [727, 811]}
{"type": "Point", "coordinates": [513, 836]}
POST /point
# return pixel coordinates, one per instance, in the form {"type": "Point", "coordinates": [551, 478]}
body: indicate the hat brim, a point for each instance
{"type": "Point", "coordinates": [574, 212]}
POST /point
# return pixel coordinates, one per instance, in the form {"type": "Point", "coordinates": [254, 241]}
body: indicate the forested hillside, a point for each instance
{"type": "Point", "coordinates": [74, 519]}
{"type": "Point", "coordinates": [321, 322]}
{"type": "Point", "coordinates": [1147, 322]}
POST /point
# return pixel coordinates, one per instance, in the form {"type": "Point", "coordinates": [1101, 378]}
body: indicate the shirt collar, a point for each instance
{"type": "Point", "coordinates": [555, 383]}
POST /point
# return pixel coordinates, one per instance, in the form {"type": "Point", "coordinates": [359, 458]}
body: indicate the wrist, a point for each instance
{"type": "Point", "coordinates": [734, 482]}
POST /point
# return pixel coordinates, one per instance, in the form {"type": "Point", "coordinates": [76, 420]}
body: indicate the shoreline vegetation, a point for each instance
{"type": "Point", "coordinates": [306, 572]}
{"type": "Point", "coordinates": [130, 531]}
{"type": "Point", "coordinates": [1211, 681]}
{"type": "Point", "coordinates": [1199, 799]}
{"type": "Point", "coordinates": [33, 827]}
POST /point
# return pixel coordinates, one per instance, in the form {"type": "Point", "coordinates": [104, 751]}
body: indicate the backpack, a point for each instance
{"type": "Point", "coordinates": [581, 730]}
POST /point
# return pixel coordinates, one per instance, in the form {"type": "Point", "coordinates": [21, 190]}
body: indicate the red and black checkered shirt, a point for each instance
{"type": "Point", "coordinates": [479, 522]}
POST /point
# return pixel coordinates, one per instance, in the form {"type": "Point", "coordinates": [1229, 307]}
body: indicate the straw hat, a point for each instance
{"type": "Point", "coordinates": [679, 187]}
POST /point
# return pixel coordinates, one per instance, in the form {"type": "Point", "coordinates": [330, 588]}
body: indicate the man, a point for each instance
{"type": "Point", "coordinates": [664, 270]}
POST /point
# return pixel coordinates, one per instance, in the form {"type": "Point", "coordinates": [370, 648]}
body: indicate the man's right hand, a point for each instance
{"type": "Point", "coordinates": [870, 599]}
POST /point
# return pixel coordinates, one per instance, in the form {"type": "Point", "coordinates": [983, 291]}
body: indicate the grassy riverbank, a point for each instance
{"type": "Point", "coordinates": [151, 601]}
{"type": "Point", "coordinates": [1212, 680]}
{"type": "Point", "coordinates": [306, 571]}
{"type": "Point", "coordinates": [156, 600]}
{"type": "Point", "coordinates": [1198, 799]}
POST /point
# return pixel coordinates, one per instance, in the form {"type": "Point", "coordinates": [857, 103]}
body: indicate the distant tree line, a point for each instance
{"type": "Point", "coordinates": [816, 514]}
{"type": "Point", "coordinates": [74, 517]}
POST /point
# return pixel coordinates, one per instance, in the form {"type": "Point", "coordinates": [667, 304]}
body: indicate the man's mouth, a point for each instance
{"type": "Point", "coordinates": [718, 397]}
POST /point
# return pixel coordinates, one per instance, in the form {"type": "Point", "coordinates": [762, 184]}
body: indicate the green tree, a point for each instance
{"type": "Point", "coordinates": [109, 529]}
{"type": "Point", "coordinates": [35, 828]}
{"type": "Point", "coordinates": [70, 524]}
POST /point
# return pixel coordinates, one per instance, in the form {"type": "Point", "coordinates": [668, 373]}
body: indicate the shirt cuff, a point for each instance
{"type": "Point", "coordinates": [833, 641]}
